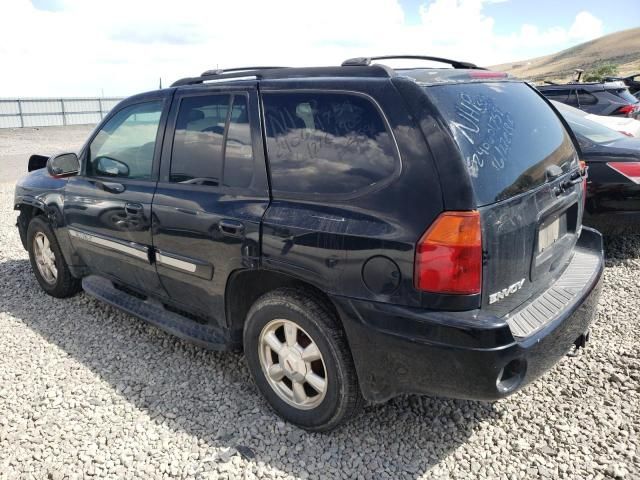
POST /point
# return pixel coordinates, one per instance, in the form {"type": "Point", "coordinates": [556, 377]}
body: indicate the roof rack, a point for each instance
{"type": "Point", "coordinates": [366, 61]}
{"type": "Point", "coordinates": [237, 72]}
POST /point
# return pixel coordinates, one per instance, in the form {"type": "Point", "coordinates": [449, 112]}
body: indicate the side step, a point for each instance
{"type": "Point", "coordinates": [207, 336]}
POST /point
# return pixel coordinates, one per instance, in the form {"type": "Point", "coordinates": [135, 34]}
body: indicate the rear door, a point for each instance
{"type": "Point", "coordinates": [108, 206]}
{"type": "Point", "coordinates": [211, 195]}
{"type": "Point", "coordinates": [525, 174]}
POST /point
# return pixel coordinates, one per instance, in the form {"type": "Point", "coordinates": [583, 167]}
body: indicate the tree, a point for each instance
{"type": "Point", "coordinates": [599, 73]}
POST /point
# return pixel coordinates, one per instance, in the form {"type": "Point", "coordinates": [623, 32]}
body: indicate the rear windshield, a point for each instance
{"type": "Point", "coordinates": [507, 134]}
{"type": "Point", "coordinates": [585, 127]}
{"type": "Point", "coordinates": [625, 95]}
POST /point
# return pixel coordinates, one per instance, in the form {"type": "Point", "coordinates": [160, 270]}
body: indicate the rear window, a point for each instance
{"type": "Point", "coordinates": [625, 95]}
{"type": "Point", "coordinates": [508, 136]}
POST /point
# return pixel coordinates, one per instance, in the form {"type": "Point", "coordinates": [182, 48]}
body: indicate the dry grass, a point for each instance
{"type": "Point", "coordinates": [620, 48]}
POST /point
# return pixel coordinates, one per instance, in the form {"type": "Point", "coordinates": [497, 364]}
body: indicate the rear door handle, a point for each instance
{"type": "Point", "coordinates": [133, 208]}
{"type": "Point", "coordinates": [231, 228]}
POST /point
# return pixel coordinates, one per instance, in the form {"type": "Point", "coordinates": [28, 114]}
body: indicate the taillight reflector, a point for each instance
{"type": "Point", "coordinates": [631, 170]}
{"type": "Point", "coordinates": [449, 255]}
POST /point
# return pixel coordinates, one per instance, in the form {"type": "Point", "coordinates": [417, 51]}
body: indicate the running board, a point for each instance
{"type": "Point", "coordinates": [207, 336]}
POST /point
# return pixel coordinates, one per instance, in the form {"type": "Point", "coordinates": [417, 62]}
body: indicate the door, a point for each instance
{"type": "Point", "coordinates": [211, 196]}
{"type": "Point", "coordinates": [108, 206]}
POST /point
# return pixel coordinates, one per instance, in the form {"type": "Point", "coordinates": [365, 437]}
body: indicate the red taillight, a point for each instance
{"type": "Point", "coordinates": [625, 110]}
{"type": "Point", "coordinates": [631, 170]}
{"type": "Point", "coordinates": [449, 255]}
{"type": "Point", "coordinates": [585, 173]}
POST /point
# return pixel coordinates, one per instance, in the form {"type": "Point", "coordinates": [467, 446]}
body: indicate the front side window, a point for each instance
{"type": "Point", "coordinates": [125, 145]}
{"type": "Point", "coordinates": [326, 143]}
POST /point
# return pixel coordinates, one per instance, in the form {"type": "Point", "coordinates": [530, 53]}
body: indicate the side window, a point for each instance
{"type": "Point", "coordinates": [326, 143]}
{"type": "Point", "coordinates": [238, 157]}
{"type": "Point", "coordinates": [558, 95]}
{"type": "Point", "coordinates": [125, 145]}
{"type": "Point", "coordinates": [573, 98]}
{"type": "Point", "coordinates": [585, 98]}
{"type": "Point", "coordinates": [197, 146]}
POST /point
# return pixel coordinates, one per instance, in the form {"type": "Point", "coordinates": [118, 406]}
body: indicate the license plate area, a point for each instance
{"type": "Point", "coordinates": [550, 232]}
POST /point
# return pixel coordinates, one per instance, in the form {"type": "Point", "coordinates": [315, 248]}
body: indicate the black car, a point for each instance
{"type": "Point", "coordinates": [361, 232]}
{"type": "Point", "coordinates": [613, 200]}
{"type": "Point", "coordinates": [601, 98]}
{"type": "Point", "coordinates": [632, 81]}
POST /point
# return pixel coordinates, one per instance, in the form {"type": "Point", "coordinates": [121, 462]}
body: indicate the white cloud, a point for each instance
{"type": "Point", "coordinates": [586, 27]}
{"type": "Point", "coordinates": [123, 46]}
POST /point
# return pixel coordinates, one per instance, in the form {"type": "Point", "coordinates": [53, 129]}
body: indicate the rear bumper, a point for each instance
{"type": "Point", "coordinates": [461, 354]}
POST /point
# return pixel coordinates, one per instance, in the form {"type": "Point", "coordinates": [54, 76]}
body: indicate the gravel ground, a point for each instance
{"type": "Point", "coordinates": [88, 391]}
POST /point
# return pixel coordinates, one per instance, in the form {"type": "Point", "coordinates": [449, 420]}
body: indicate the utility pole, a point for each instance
{"type": "Point", "coordinates": [160, 83]}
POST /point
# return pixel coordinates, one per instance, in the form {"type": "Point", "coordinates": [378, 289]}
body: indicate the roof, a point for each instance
{"type": "Point", "coordinates": [366, 67]}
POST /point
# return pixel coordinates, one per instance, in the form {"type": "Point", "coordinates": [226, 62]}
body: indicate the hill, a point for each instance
{"type": "Point", "coordinates": [619, 48]}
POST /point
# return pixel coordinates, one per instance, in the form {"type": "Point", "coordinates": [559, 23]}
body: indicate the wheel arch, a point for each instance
{"type": "Point", "coordinates": [244, 287]}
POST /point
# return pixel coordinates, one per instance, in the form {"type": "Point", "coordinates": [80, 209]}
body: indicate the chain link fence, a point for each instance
{"type": "Point", "coordinates": [45, 112]}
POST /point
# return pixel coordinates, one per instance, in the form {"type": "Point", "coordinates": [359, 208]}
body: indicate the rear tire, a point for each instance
{"type": "Point", "coordinates": [299, 359]}
{"type": "Point", "coordinates": [47, 261]}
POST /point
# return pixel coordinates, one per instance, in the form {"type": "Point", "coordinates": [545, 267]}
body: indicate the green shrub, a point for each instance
{"type": "Point", "coordinates": [599, 73]}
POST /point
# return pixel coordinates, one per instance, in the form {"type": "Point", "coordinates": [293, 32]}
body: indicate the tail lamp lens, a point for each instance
{"type": "Point", "coordinates": [626, 110]}
{"type": "Point", "coordinates": [449, 255]}
{"type": "Point", "coordinates": [631, 170]}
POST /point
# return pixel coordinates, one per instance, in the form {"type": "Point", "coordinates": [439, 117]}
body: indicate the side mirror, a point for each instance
{"type": "Point", "coordinates": [110, 167]}
{"type": "Point", "coordinates": [63, 165]}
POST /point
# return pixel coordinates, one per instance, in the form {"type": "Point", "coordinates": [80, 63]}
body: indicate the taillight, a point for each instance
{"type": "Point", "coordinates": [631, 170]}
{"type": "Point", "coordinates": [625, 110]}
{"type": "Point", "coordinates": [449, 255]}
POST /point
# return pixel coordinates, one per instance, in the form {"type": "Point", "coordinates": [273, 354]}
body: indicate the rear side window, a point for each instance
{"type": "Point", "coordinates": [585, 98]}
{"type": "Point", "coordinates": [326, 143]}
{"type": "Point", "coordinates": [212, 143]}
{"type": "Point", "coordinates": [508, 136]}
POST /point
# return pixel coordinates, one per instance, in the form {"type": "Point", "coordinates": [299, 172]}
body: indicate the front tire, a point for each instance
{"type": "Point", "coordinates": [299, 359]}
{"type": "Point", "coordinates": [47, 261]}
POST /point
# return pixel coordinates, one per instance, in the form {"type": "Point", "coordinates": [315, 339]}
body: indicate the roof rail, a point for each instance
{"type": "Point", "coordinates": [366, 61]}
{"type": "Point", "coordinates": [222, 74]}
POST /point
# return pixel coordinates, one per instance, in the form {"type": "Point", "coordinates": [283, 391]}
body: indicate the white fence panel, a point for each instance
{"type": "Point", "coordinates": [43, 112]}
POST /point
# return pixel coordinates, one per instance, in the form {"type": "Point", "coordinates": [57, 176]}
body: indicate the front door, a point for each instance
{"type": "Point", "coordinates": [108, 206]}
{"type": "Point", "coordinates": [211, 196]}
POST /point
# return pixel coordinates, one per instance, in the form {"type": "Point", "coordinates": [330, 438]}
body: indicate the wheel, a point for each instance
{"type": "Point", "coordinates": [47, 261]}
{"type": "Point", "coordinates": [299, 359]}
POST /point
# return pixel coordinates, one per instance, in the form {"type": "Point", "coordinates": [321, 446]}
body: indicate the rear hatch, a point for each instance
{"type": "Point", "coordinates": [525, 173]}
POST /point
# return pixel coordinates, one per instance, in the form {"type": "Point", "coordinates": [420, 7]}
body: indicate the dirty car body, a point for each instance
{"type": "Point", "coordinates": [432, 155]}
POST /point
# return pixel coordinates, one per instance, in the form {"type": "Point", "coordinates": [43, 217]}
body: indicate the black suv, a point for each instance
{"type": "Point", "coordinates": [359, 231]}
{"type": "Point", "coordinates": [600, 98]}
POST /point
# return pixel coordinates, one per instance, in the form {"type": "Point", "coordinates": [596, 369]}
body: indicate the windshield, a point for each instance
{"type": "Point", "coordinates": [508, 136]}
{"type": "Point", "coordinates": [593, 131]}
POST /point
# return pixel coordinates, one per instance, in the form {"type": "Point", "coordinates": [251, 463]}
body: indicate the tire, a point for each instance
{"type": "Point", "coordinates": [53, 275]}
{"type": "Point", "coordinates": [276, 313]}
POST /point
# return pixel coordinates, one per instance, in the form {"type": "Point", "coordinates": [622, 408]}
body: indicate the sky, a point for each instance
{"type": "Point", "coordinates": [121, 47]}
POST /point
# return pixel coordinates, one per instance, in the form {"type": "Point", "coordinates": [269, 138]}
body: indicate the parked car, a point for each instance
{"type": "Point", "coordinates": [602, 98]}
{"type": "Point", "coordinates": [359, 231]}
{"type": "Point", "coordinates": [632, 81]}
{"type": "Point", "coordinates": [628, 126]}
{"type": "Point", "coordinates": [613, 200]}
